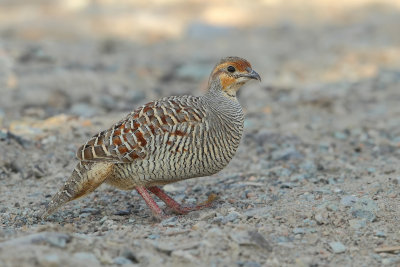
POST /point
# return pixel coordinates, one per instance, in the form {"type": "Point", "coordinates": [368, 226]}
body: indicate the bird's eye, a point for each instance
{"type": "Point", "coordinates": [231, 69]}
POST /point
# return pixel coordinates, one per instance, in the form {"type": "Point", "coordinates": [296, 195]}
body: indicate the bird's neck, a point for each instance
{"type": "Point", "coordinates": [224, 105]}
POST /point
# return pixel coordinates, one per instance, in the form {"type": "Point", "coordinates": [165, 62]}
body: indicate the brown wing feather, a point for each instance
{"type": "Point", "coordinates": [130, 138]}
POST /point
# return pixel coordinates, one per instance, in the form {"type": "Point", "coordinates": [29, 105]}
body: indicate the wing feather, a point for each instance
{"type": "Point", "coordinates": [133, 137]}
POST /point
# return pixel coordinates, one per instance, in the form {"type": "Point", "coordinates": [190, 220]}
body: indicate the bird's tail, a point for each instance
{"type": "Point", "coordinates": [85, 178]}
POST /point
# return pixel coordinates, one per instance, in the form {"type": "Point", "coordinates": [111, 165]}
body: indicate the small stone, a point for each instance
{"type": "Point", "coordinates": [233, 215]}
{"type": "Point", "coordinates": [88, 258]}
{"type": "Point", "coordinates": [251, 238]}
{"type": "Point", "coordinates": [55, 239]}
{"type": "Point", "coordinates": [366, 203]}
{"type": "Point", "coordinates": [50, 260]}
{"type": "Point", "coordinates": [121, 261]}
{"type": "Point", "coordinates": [288, 185]}
{"type": "Point", "coordinates": [364, 214]}
{"type": "Point", "coordinates": [183, 254]}
{"type": "Point", "coordinates": [337, 190]}
{"type": "Point", "coordinates": [262, 212]}
{"type": "Point", "coordinates": [248, 264]}
{"type": "Point", "coordinates": [2, 115]}
{"type": "Point", "coordinates": [122, 212]}
{"type": "Point", "coordinates": [348, 201]}
{"type": "Point", "coordinates": [90, 210]}
{"type": "Point", "coordinates": [171, 188]}
{"type": "Point", "coordinates": [380, 233]}
{"type": "Point", "coordinates": [332, 207]}
{"type": "Point", "coordinates": [357, 224]}
{"type": "Point", "coordinates": [308, 166]}
{"type": "Point", "coordinates": [3, 134]}
{"type": "Point", "coordinates": [390, 261]}
{"type": "Point", "coordinates": [128, 254]}
{"type": "Point", "coordinates": [337, 247]}
{"type": "Point", "coordinates": [340, 135]}
{"type": "Point", "coordinates": [297, 231]}
{"type": "Point", "coordinates": [321, 218]}
{"type": "Point", "coordinates": [169, 221]}
{"type": "Point", "coordinates": [286, 154]}
{"type": "Point", "coordinates": [105, 218]}
{"type": "Point", "coordinates": [153, 236]}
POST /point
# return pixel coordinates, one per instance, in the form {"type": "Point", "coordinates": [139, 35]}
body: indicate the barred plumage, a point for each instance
{"type": "Point", "coordinates": [164, 141]}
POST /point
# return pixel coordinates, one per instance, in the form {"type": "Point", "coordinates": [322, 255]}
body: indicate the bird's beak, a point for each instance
{"type": "Point", "coordinates": [252, 75]}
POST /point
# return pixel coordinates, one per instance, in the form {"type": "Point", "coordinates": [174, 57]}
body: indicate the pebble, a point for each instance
{"type": "Point", "coordinates": [153, 236]}
{"type": "Point", "coordinates": [89, 210]}
{"type": "Point", "coordinates": [232, 216]}
{"type": "Point", "coordinates": [121, 261]}
{"type": "Point", "coordinates": [262, 212]}
{"type": "Point", "coordinates": [251, 238]}
{"type": "Point", "coordinates": [2, 115]}
{"type": "Point", "coordinates": [286, 154]}
{"type": "Point", "coordinates": [55, 239]}
{"type": "Point", "coordinates": [88, 258]}
{"type": "Point", "coordinates": [340, 135]}
{"type": "Point", "coordinates": [3, 134]}
{"type": "Point", "coordinates": [348, 201]}
{"type": "Point", "coordinates": [248, 264]}
{"type": "Point", "coordinates": [172, 221]}
{"type": "Point", "coordinates": [364, 214]}
{"type": "Point", "coordinates": [357, 223]}
{"type": "Point", "coordinates": [122, 212]}
{"type": "Point", "coordinates": [297, 231]}
{"type": "Point", "coordinates": [365, 208]}
{"type": "Point", "coordinates": [390, 261]}
{"type": "Point", "coordinates": [337, 247]}
{"type": "Point", "coordinates": [308, 166]}
{"type": "Point", "coordinates": [50, 260]}
{"type": "Point", "coordinates": [184, 254]}
{"type": "Point", "coordinates": [128, 254]}
{"type": "Point", "coordinates": [380, 233]}
{"type": "Point", "coordinates": [287, 185]}
{"type": "Point", "coordinates": [321, 218]}
{"type": "Point", "coordinates": [298, 177]}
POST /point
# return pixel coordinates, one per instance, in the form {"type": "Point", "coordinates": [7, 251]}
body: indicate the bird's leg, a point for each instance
{"type": "Point", "coordinates": [175, 206]}
{"type": "Point", "coordinates": [155, 209]}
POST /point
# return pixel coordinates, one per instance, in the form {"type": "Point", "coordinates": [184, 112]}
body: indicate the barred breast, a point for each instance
{"type": "Point", "coordinates": [171, 139]}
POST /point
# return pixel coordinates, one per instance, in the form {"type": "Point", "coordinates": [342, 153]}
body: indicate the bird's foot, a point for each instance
{"type": "Point", "coordinates": [178, 208]}
{"type": "Point", "coordinates": [183, 209]}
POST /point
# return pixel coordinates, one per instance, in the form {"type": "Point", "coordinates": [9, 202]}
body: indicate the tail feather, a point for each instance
{"type": "Point", "coordinates": [85, 178]}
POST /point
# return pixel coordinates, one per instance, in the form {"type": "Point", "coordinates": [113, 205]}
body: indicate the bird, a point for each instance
{"type": "Point", "coordinates": [165, 141]}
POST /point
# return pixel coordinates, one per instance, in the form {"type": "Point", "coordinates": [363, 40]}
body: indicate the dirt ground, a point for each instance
{"type": "Point", "coordinates": [316, 180]}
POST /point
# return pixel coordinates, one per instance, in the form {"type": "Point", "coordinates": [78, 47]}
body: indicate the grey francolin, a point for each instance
{"type": "Point", "coordinates": [165, 141]}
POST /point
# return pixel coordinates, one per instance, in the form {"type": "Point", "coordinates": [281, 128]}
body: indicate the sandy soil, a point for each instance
{"type": "Point", "coordinates": [316, 179]}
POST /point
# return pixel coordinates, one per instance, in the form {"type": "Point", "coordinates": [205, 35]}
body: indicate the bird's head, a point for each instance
{"type": "Point", "coordinates": [231, 73]}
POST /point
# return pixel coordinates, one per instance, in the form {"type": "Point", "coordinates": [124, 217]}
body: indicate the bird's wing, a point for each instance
{"type": "Point", "coordinates": [134, 137]}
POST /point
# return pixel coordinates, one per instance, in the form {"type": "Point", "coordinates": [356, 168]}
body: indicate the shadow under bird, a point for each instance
{"type": "Point", "coordinates": [165, 141]}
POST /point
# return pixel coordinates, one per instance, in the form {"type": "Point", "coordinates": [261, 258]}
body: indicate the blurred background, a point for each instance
{"type": "Point", "coordinates": [316, 174]}
{"type": "Point", "coordinates": [88, 57]}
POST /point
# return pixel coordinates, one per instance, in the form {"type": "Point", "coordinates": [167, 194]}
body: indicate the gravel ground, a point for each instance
{"type": "Point", "coordinates": [315, 181]}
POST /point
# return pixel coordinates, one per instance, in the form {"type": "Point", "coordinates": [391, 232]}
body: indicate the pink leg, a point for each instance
{"type": "Point", "coordinates": [155, 209]}
{"type": "Point", "coordinates": [175, 206]}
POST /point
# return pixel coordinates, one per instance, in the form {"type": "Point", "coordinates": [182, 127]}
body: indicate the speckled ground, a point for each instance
{"type": "Point", "coordinates": [316, 179]}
